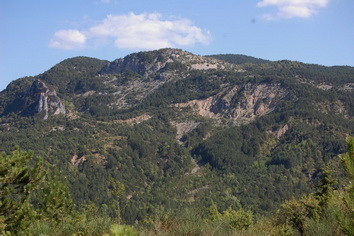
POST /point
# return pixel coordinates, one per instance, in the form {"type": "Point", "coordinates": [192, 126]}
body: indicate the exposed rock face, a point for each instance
{"type": "Point", "coordinates": [44, 100]}
{"type": "Point", "coordinates": [348, 87]}
{"type": "Point", "coordinates": [145, 63]}
{"type": "Point", "coordinates": [135, 120]}
{"type": "Point", "coordinates": [241, 104]}
{"type": "Point", "coordinates": [76, 160]}
{"type": "Point", "coordinates": [123, 65]}
{"type": "Point", "coordinates": [150, 70]}
{"type": "Point", "coordinates": [336, 107]}
{"type": "Point", "coordinates": [184, 127]}
{"type": "Point", "coordinates": [279, 132]}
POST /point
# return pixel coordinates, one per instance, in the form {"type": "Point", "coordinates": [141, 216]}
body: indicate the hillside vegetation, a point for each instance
{"type": "Point", "coordinates": [162, 138]}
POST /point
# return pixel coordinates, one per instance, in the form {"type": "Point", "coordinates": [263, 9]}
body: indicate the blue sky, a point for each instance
{"type": "Point", "coordinates": [35, 35]}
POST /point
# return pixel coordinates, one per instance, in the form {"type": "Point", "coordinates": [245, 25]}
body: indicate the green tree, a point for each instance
{"type": "Point", "coordinates": [117, 191]}
{"type": "Point", "coordinates": [310, 208]}
{"type": "Point", "coordinates": [326, 190]}
{"type": "Point", "coordinates": [20, 174]}
{"type": "Point", "coordinates": [348, 158]}
{"type": "Point", "coordinates": [53, 200]}
{"type": "Point", "coordinates": [235, 219]}
{"type": "Point", "coordinates": [28, 194]}
{"type": "Point", "coordinates": [297, 212]}
{"type": "Point", "coordinates": [346, 218]}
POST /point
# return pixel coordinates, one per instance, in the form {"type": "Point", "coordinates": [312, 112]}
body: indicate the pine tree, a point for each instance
{"type": "Point", "coordinates": [53, 200]}
{"type": "Point", "coordinates": [20, 175]}
{"type": "Point", "coordinates": [117, 191]}
{"type": "Point", "coordinates": [29, 194]}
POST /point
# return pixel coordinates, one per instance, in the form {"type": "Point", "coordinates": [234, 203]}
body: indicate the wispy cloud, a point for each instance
{"type": "Point", "coordinates": [131, 31]}
{"type": "Point", "coordinates": [293, 8]}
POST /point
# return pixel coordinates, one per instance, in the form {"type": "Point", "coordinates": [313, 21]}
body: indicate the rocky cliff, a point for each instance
{"type": "Point", "coordinates": [45, 100]}
{"type": "Point", "coordinates": [240, 104]}
{"type": "Point", "coordinates": [37, 100]}
{"type": "Point", "coordinates": [137, 75]}
{"type": "Point", "coordinates": [147, 63]}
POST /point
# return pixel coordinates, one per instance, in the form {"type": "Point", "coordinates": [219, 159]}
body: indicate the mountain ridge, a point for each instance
{"type": "Point", "coordinates": [183, 130]}
{"type": "Point", "coordinates": [153, 69]}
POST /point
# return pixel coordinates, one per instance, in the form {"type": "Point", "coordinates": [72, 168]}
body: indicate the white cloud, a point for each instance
{"type": "Point", "coordinates": [68, 39]}
{"type": "Point", "coordinates": [293, 8]}
{"type": "Point", "coordinates": [145, 31]}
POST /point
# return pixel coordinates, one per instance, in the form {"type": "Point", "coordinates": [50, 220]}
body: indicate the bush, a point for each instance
{"type": "Point", "coordinates": [236, 219]}
{"type": "Point", "coordinates": [123, 230]}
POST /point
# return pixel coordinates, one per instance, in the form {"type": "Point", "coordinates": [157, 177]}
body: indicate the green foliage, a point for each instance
{"type": "Point", "coordinates": [325, 194]}
{"type": "Point", "coordinates": [20, 175]}
{"type": "Point", "coordinates": [307, 217]}
{"type": "Point", "coordinates": [348, 158]}
{"type": "Point", "coordinates": [53, 200]}
{"type": "Point", "coordinates": [97, 225]}
{"type": "Point", "coordinates": [117, 191]}
{"type": "Point", "coordinates": [235, 219]}
{"type": "Point", "coordinates": [346, 218]}
{"type": "Point", "coordinates": [123, 230]}
{"type": "Point", "coordinates": [68, 74]}
{"type": "Point", "coordinates": [177, 66]}
{"type": "Point", "coordinates": [327, 225]}
{"type": "Point", "coordinates": [239, 59]}
{"type": "Point", "coordinates": [312, 212]}
{"type": "Point", "coordinates": [28, 194]}
{"type": "Point", "coordinates": [197, 85]}
{"type": "Point", "coordinates": [183, 222]}
{"type": "Point", "coordinates": [9, 99]}
{"type": "Point", "coordinates": [296, 212]}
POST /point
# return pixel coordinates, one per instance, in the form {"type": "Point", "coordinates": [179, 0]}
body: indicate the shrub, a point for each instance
{"type": "Point", "coordinates": [235, 219]}
{"type": "Point", "coordinates": [123, 230]}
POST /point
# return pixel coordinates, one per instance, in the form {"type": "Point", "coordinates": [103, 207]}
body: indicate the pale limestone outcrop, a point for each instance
{"type": "Point", "coordinates": [148, 71]}
{"type": "Point", "coordinates": [241, 104]}
{"type": "Point", "coordinates": [184, 127]}
{"type": "Point", "coordinates": [45, 100]}
{"type": "Point", "coordinates": [280, 131]}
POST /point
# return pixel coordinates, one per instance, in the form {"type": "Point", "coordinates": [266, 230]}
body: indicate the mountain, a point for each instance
{"type": "Point", "coordinates": [182, 130]}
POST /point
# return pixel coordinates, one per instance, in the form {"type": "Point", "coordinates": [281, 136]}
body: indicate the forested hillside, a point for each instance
{"type": "Point", "coordinates": [177, 132]}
